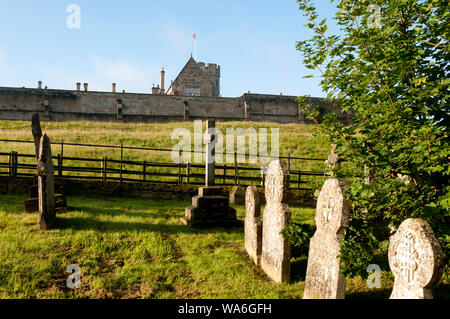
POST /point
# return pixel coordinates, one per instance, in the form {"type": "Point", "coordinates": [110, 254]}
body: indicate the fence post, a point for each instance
{"type": "Point", "coordinates": [13, 164]}
{"type": "Point", "coordinates": [298, 178]}
{"type": "Point", "coordinates": [235, 169]}
{"type": "Point", "coordinates": [224, 173]}
{"type": "Point", "coordinates": [180, 178]}
{"type": "Point", "coordinates": [121, 160]}
{"type": "Point", "coordinates": [188, 169]}
{"type": "Point", "coordinates": [17, 164]}
{"type": "Point", "coordinates": [263, 176]}
{"type": "Point", "coordinates": [144, 167]}
{"type": "Point", "coordinates": [104, 168]}
{"type": "Point", "coordinates": [10, 159]}
{"type": "Point", "coordinates": [59, 165]}
{"type": "Point", "coordinates": [289, 163]}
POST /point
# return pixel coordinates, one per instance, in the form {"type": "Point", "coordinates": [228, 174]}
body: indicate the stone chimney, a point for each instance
{"type": "Point", "coordinates": [78, 86]}
{"type": "Point", "coordinates": [39, 85]}
{"type": "Point", "coordinates": [162, 81]}
{"type": "Point", "coordinates": [154, 89]}
{"type": "Point", "coordinates": [114, 87]}
{"type": "Point", "coordinates": [85, 87]}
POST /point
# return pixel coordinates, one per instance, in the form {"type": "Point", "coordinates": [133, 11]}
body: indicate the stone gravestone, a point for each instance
{"type": "Point", "coordinates": [32, 204]}
{"type": "Point", "coordinates": [253, 225]}
{"type": "Point", "coordinates": [36, 131]}
{"type": "Point", "coordinates": [210, 208]}
{"type": "Point", "coordinates": [46, 185]}
{"type": "Point", "coordinates": [276, 250]}
{"type": "Point", "coordinates": [415, 258]}
{"type": "Point", "coordinates": [237, 196]}
{"type": "Point", "coordinates": [323, 279]}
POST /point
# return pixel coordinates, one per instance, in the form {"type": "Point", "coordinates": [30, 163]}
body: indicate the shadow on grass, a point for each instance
{"type": "Point", "coordinates": [442, 291]}
{"type": "Point", "coordinates": [93, 223]}
{"type": "Point", "coordinates": [381, 293]}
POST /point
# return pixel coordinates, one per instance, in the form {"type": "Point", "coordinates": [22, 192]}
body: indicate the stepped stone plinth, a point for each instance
{"type": "Point", "coordinates": [210, 209]}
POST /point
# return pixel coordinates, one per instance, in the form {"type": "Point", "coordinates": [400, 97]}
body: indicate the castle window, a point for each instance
{"type": "Point", "coordinates": [193, 91]}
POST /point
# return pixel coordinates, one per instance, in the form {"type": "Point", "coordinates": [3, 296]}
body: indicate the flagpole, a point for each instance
{"type": "Point", "coordinates": [195, 47]}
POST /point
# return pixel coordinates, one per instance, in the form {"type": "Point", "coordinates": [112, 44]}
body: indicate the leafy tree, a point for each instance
{"type": "Point", "coordinates": [389, 67]}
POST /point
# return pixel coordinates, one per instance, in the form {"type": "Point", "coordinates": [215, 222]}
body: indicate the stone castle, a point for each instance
{"type": "Point", "coordinates": [194, 94]}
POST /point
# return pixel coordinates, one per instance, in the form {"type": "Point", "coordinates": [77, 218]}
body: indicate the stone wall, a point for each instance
{"type": "Point", "coordinates": [69, 105]}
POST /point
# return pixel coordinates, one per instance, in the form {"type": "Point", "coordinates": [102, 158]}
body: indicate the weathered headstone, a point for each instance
{"type": "Point", "coordinates": [32, 204]}
{"type": "Point", "coordinates": [237, 196]}
{"type": "Point", "coordinates": [46, 185]}
{"type": "Point", "coordinates": [253, 225]}
{"type": "Point", "coordinates": [37, 132]}
{"type": "Point", "coordinates": [323, 279]}
{"type": "Point", "coordinates": [415, 258]}
{"type": "Point", "coordinates": [276, 250]}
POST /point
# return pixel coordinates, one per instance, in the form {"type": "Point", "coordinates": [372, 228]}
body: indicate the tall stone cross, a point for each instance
{"type": "Point", "coordinates": [46, 185]}
{"type": "Point", "coordinates": [210, 159]}
{"type": "Point", "coordinates": [36, 131]}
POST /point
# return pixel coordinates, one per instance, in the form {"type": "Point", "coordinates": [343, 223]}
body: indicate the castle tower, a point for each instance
{"type": "Point", "coordinates": [197, 79]}
{"type": "Point", "coordinates": [212, 72]}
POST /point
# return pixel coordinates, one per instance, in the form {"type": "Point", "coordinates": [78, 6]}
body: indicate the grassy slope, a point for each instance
{"type": "Point", "coordinates": [296, 140]}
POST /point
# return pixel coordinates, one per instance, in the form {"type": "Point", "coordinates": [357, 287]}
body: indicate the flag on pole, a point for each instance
{"type": "Point", "coordinates": [195, 42]}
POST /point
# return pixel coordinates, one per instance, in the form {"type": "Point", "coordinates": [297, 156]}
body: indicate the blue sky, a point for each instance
{"type": "Point", "coordinates": [128, 42]}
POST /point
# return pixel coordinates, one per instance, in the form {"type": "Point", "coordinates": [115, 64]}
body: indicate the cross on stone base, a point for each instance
{"type": "Point", "coordinates": [210, 208]}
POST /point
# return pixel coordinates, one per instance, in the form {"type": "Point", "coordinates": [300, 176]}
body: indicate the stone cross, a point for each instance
{"type": "Point", "coordinates": [253, 225]}
{"type": "Point", "coordinates": [323, 279]}
{"type": "Point", "coordinates": [276, 250]}
{"type": "Point", "coordinates": [210, 159]}
{"type": "Point", "coordinates": [415, 258]}
{"type": "Point", "coordinates": [36, 131]}
{"type": "Point", "coordinates": [46, 185]}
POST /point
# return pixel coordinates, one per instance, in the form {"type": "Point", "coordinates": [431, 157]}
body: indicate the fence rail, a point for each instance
{"type": "Point", "coordinates": [109, 169]}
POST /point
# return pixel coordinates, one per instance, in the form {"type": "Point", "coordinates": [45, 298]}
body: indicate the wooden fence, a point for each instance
{"type": "Point", "coordinates": [109, 169]}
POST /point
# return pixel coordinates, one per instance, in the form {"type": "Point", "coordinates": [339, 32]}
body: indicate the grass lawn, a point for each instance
{"type": "Point", "coordinates": [131, 248]}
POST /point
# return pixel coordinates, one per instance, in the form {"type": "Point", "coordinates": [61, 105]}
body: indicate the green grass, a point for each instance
{"type": "Point", "coordinates": [127, 248]}
{"type": "Point", "coordinates": [296, 140]}
{"type": "Point", "coordinates": [131, 248]}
